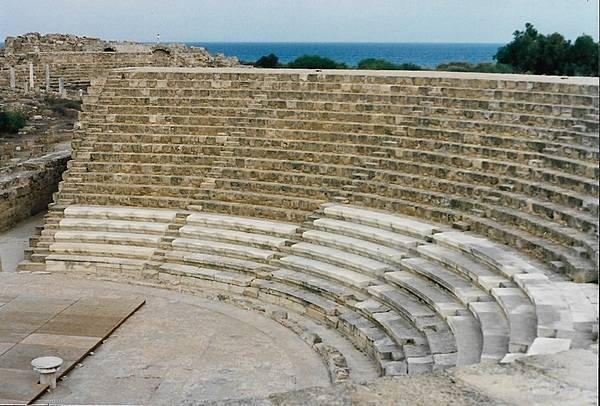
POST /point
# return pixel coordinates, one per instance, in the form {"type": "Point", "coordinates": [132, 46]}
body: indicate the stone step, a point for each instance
{"type": "Point", "coordinates": [234, 236]}
{"type": "Point", "coordinates": [341, 258]}
{"type": "Point", "coordinates": [383, 220]}
{"type": "Point", "coordinates": [442, 302]}
{"type": "Point", "coordinates": [144, 240]}
{"type": "Point", "coordinates": [466, 267]}
{"type": "Point", "coordinates": [120, 213]}
{"type": "Point", "coordinates": [219, 262]}
{"type": "Point", "coordinates": [439, 336]}
{"type": "Point", "coordinates": [104, 225]}
{"type": "Point", "coordinates": [279, 229]}
{"type": "Point", "coordinates": [328, 271]}
{"type": "Point", "coordinates": [100, 250]}
{"type": "Point", "coordinates": [367, 233]}
{"type": "Point", "coordinates": [228, 278]}
{"type": "Point", "coordinates": [220, 248]}
{"type": "Point", "coordinates": [355, 246]}
{"type": "Point", "coordinates": [331, 290]}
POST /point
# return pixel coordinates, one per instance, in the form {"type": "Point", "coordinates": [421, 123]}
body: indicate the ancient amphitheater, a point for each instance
{"type": "Point", "coordinates": [432, 220]}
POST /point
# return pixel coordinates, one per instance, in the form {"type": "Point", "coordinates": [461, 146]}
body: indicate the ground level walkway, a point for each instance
{"type": "Point", "coordinates": [184, 349]}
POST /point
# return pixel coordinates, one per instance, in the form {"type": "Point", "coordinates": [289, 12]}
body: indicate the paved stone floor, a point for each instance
{"type": "Point", "coordinates": [178, 349]}
{"type": "Point", "coordinates": [183, 349]}
{"type": "Point", "coordinates": [13, 242]}
{"type": "Point", "coordinates": [40, 325]}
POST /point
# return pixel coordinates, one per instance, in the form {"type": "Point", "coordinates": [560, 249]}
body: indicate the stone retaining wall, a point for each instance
{"type": "Point", "coordinates": [27, 188]}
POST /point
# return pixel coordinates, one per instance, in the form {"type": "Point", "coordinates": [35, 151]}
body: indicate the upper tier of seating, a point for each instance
{"type": "Point", "coordinates": [513, 158]}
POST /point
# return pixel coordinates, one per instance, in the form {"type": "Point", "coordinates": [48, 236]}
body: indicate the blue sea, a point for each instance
{"type": "Point", "coordinates": [424, 54]}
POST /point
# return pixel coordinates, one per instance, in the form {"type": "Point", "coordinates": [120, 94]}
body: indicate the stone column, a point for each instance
{"type": "Point", "coordinates": [31, 84]}
{"type": "Point", "coordinates": [13, 79]}
{"type": "Point", "coordinates": [61, 86]}
{"type": "Point", "coordinates": [47, 77]}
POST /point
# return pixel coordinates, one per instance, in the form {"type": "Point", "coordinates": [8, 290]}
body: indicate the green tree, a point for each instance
{"type": "Point", "coordinates": [267, 61]}
{"type": "Point", "coordinates": [315, 62]}
{"type": "Point", "coordinates": [532, 52]}
{"type": "Point", "coordinates": [583, 57]}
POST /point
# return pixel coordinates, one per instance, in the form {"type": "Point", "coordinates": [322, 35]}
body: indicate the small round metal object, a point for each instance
{"type": "Point", "coordinates": [46, 363]}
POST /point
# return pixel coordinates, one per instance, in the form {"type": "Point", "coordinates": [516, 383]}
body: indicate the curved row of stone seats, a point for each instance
{"type": "Point", "coordinates": [401, 95]}
{"type": "Point", "coordinates": [238, 255]}
{"type": "Point", "coordinates": [414, 296]}
{"type": "Point", "coordinates": [89, 238]}
{"type": "Point", "coordinates": [160, 106]}
{"type": "Point", "coordinates": [264, 140]}
{"type": "Point", "coordinates": [492, 269]}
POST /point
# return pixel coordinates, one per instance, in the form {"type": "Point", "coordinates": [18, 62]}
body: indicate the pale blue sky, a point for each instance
{"type": "Point", "coordinates": [300, 20]}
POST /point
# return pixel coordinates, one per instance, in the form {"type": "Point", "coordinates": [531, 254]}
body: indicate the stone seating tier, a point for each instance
{"type": "Point", "coordinates": [492, 170]}
{"type": "Point", "coordinates": [408, 310]}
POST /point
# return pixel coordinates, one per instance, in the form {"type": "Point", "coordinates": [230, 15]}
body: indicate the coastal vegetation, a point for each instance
{"type": "Point", "coordinates": [529, 52]}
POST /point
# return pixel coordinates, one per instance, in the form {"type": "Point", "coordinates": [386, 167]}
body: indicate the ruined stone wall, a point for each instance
{"type": "Point", "coordinates": [27, 188]}
{"type": "Point", "coordinates": [78, 59]}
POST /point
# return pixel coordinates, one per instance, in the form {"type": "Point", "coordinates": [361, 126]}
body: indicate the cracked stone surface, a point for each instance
{"type": "Point", "coordinates": [178, 349]}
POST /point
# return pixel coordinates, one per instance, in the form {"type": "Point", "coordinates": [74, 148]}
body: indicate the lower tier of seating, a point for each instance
{"type": "Point", "coordinates": [414, 296]}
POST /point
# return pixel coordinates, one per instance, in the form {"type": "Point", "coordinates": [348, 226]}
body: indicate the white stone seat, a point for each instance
{"type": "Point", "coordinates": [356, 246]}
{"type": "Point", "coordinates": [229, 278]}
{"type": "Point", "coordinates": [332, 290]}
{"type": "Point", "coordinates": [469, 339]}
{"type": "Point", "coordinates": [583, 302]}
{"type": "Point", "coordinates": [494, 328]}
{"type": "Point", "coordinates": [367, 233]}
{"type": "Point", "coordinates": [500, 257]}
{"type": "Point", "coordinates": [284, 230]}
{"type": "Point", "coordinates": [461, 287]}
{"type": "Point", "coordinates": [227, 235]}
{"type": "Point", "coordinates": [99, 250]}
{"type": "Point", "coordinates": [120, 213]}
{"type": "Point", "coordinates": [439, 336]}
{"type": "Point", "coordinates": [341, 258]}
{"type": "Point", "coordinates": [300, 296]}
{"type": "Point", "coordinates": [219, 262]}
{"type": "Point", "coordinates": [381, 219]}
{"type": "Point", "coordinates": [372, 339]}
{"type": "Point", "coordinates": [219, 248]}
{"type": "Point", "coordinates": [326, 270]}
{"type": "Point", "coordinates": [463, 265]}
{"type": "Point", "coordinates": [148, 240]}
{"type": "Point", "coordinates": [126, 226]}
{"type": "Point", "coordinates": [442, 302]}
{"type": "Point", "coordinates": [521, 315]}
{"type": "Point", "coordinates": [66, 262]}
{"type": "Point", "coordinates": [554, 317]}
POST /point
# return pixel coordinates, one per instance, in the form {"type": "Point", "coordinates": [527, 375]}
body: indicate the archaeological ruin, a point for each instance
{"type": "Point", "coordinates": [433, 220]}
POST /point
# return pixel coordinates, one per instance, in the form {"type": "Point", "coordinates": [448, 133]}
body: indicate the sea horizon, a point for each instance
{"type": "Point", "coordinates": [425, 54]}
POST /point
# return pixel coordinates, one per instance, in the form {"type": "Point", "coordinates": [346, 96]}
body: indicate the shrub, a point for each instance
{"type": "Point", "coordinates": [315, 62]}
{"type": "Point", "coordinates": [485, 67]}
{"type": "Point", "coordinates": [12, 121]}
{"type": "Point", "coordinates": [382, 64]}
{"type": "Point", "coordinates": [267, 61]}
